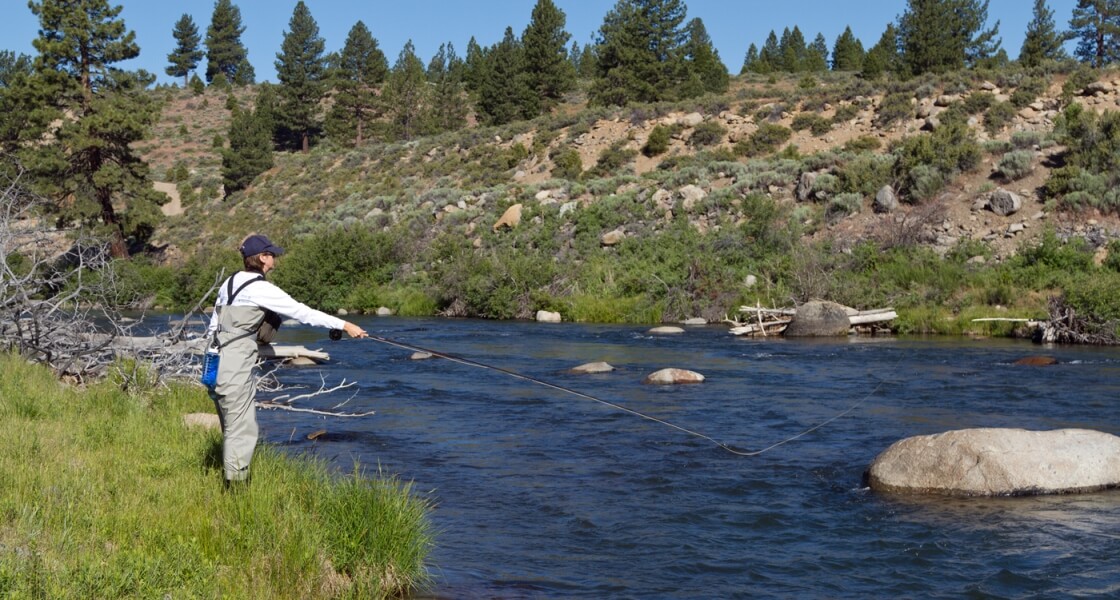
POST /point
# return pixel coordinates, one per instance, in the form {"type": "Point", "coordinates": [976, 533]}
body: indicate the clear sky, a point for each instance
{"type": "Point", "coordinates": [732, 24]}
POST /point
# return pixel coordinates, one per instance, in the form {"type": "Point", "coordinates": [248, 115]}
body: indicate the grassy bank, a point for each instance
{"type": "Point", "coordinates": [108, 495]}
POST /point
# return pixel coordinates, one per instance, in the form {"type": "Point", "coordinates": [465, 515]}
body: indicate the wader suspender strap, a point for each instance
{"type": "Point", "coordinates": [229, 301]}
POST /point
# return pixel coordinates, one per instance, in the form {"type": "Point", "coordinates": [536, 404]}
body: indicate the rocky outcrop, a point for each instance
{"type": "Point", "coordinates": [999, 462]}
{"type": "Point", "coordinates": [885, 200]}
{"type": "Point", "coordinates": [819, 319]}
{"type": "Point", "coordinates": [673, 376]}
{"type": "Point", "coordinates": [510, 219]}
{"type": "Point", "coordinates": [1005, 203]}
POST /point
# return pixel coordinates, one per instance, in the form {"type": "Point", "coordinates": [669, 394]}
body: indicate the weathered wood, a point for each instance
{"type": "Point", "coordinates": [873, 317]}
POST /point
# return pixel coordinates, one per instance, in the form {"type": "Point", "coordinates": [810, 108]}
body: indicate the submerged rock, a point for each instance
{"type": "Point", "coordinates": [666, 329]}
{"type": "Point", "coordinates": [1037, 361]}
{"type": "Point", "coordinates": [999, 462]}
{"type": "Point", "coordinates": [590, 368]}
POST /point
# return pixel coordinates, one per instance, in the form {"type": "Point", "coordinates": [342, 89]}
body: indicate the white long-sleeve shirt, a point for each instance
{"type": "Point", "coordinates": [267, 295]}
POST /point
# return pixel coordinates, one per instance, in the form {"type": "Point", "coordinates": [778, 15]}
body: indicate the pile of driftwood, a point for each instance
{"type": "Point", "coordinates": [1067, 327]}
{"type": "Point", "coordinates": [773, 321]}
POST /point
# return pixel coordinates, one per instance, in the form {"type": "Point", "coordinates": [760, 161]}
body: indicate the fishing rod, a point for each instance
{"type": "Point", "coordinates": [336, 334]}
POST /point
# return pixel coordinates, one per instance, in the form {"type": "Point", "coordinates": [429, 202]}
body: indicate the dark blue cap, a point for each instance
{"type": "Point", "coordinates": [255, 244]}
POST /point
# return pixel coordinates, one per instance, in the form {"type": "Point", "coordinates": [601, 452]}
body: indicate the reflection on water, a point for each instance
{"type": "Point", "coordinates": [541, 494]}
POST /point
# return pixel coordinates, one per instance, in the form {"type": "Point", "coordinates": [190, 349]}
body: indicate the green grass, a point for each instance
{"type": "Point", "coordinates": [108, 495]}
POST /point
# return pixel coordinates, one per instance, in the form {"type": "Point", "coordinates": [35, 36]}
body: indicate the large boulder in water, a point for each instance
{"type": "Point", "coordinates": [673, 377]}
{"type": "Point", "coordinates": [819, 319]}
{"type": "Point", "coordinates": [999, 462]}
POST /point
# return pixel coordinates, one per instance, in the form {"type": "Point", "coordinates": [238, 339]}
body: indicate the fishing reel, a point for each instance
{"type": "Point", "coordinates": [335, 335]}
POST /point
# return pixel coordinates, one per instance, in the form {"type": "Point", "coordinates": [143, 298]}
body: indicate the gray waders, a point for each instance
{"type": "Point", "coordinates": [236, 387]}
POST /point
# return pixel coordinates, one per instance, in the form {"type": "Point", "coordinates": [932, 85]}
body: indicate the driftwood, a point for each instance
{"type": "Point", "coordinates": [773, 321]}
{"type": "Point", "coordinates": [1067, 327]}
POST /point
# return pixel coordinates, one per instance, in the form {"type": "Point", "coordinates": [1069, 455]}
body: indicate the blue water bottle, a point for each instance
{"type": "Point", "coordinates": [210, 367]}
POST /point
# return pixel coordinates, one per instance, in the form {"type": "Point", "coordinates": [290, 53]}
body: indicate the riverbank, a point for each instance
{"type": "Point", "coordinates": [107, 494]}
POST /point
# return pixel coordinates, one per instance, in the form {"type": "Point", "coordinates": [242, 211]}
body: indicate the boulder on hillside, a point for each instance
{"type": "Point", "coordinates": [885, 200]}
{"type": "Point", "coordinates": [673, 376]}
{"type": "Point", "coordinates": [511, 218]}
{"type": "Point", "coordinates": [804, 190]}
{"type": "Point", "coordinates": [1004, 203]}
{"type": "Point", "coordinates": [819, 319]}
{"type": "Point", "coordinates": [999, 462]}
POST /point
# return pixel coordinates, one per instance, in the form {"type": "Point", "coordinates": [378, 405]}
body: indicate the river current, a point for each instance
{"type": "Point", "coordinates": [542, 494]}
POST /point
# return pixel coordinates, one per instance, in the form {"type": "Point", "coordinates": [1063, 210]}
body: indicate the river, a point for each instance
{"type": "Point", "coordinates": [543, 494]}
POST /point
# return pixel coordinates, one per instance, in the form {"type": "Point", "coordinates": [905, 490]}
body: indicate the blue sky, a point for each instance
{"type": "Point", "coordinates": [732, 24]}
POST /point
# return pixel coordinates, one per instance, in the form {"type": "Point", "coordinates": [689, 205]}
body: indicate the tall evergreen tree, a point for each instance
{"type": "Point", "coordinates": [847, 52]}
{"type": "Point", "coordinates": [361, 67]}
{"type": "Point", "coordinates": [188, 51]}
{"type": "Point", "coordinates": [545, 56]}
{"type": "Point", "coordinates": [575, 53]}
{"type": "Point", "coordinates": [505, 94]}
{"type": "Point", "coordinates": [884, 56]}
{"type": "Point", "coordinates": [770, 56]}
{"type": "Point", "coordinates": [816, 56]}
{"type": "Point", "coordinates": [749, 60]}
{"type": "Point", "coordinates": [1043, 41]}
{"type": "Point", "coordinates": [406, 94]}
{"type": "Point", "coordinates": [84, 116]}
{"type": "Point", "coordinates": [588, 61]}
{"type": "Point", "coordinates": [1095, 25]}
{"type": "Point", "coordinates": [225, 53]}
{"type": "Point", "coordinates": [701, 60]}
{"type": "Point", "coordinates": [475, 66]}
{"type": "Point", "coordinates": [448, 106]}
{"type": "Point", "coordinates": [12, 66]}
{"type": "Point", "coordinates": [792, 50]}
{"type": "Point", "coordinates": [250, 149]}
{"type": "Point", "coordinates": [300, 68]}
{"type": "Point", "coordinates": [945, 35]}
{"type": "Point", "coordinates": [638, 52]}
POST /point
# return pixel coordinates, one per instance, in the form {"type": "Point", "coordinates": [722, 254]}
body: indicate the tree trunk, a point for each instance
{"type": "Point", "coordinates": [306, 143]}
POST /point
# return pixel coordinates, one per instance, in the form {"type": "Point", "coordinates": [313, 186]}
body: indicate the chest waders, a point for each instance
{"type": "Point", "coordinates": [235, 389]}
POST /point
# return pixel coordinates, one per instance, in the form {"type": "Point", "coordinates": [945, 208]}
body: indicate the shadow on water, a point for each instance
{"type": "Point", "coordinates": [543, 494]}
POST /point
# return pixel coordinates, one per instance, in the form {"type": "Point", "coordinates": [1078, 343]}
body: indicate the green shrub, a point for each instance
{"type": "Point", "coordinates": [658, 141]}
{"type": "Point", "coordinates": [763, 141]}
{"type": "Point", "coordinates": [863, 143]}
{"type": "Point", "coordinates": [707, 133]}
{"type": "Point", "coordinates": [1024, 140]}
{"type": "Point", "coordinates": [998, 116]}
{"type": "Point", "coordinates": [949, 150]}
{"type": "Point", "coordinates": [1112, 261]}
{"type": "Point", "coordinates": [566, 164]}
{"type": "Point", "coordinates": [978, 102]}
{"type": "Point", "coordinates": [845, 112]}
{"type": "Point", "coordinates": [321, 270]}
{"type": "Point", "coordinates": [1016, 164]}
{"type": "Point", "coordinates": [866, 174]}
{"type": "Point", "coordinates": [817, 124]}
{"type": "Point", "coordinates": [1030, 88]}
{"type": "Point", "coordinates": [612, 159]}
{"type": "Point", "coordinates": [894, 108]}
{"type": "Point", "coordinates": [843, 205]}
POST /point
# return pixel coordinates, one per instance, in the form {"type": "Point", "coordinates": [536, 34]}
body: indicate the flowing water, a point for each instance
{"type": "Point", "coordinates": [543, 494]}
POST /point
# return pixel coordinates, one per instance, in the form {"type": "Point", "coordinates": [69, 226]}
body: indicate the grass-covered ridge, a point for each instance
{"type": "Point", "coordinates": [788, 170]}
{"type": "Point", "coordinates": [108, 495]}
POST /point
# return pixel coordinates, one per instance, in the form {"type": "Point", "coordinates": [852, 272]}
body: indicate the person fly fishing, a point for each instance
{"type": "Point", "coordinates": [247, 313]}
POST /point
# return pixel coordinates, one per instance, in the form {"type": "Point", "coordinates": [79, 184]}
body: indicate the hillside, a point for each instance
{"type": "Point", "coordinates": [717, 163]}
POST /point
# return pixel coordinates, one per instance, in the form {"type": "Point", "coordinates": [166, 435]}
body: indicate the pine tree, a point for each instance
{"type": "Point", "coordinates": [505, 95]}
{"type": "Point", "coordinates": [475, 66]}
{"type": "Point", "coordinates": [884, 56]}
{"type": "Point", "coordinates": [588, 61]}
{"type": "Point", "coordinates": [361, 68]}
{"type": "Point", "coordinates": [1042, 41]}
{"type": "Point", "coordinates": [449, 107]}
{"type": "Point", "coordinates": [406, 94]}
{"type": "Point", "coordinates": [1095, 25]}
{"type": "Point", "coordinates": [816, 56]}
{"type": "Point", "coordinates": [945, 35]}
{"type": "Point", "coordinates": [575, 53]}
{"type": "Point", "coordinates": [792, 51]}
{"type": "Point", "coordinates": [300, 68]}
{"type": "Point", "coordinates": [749, 60]}
{"type": "Point", "coordinates": [545, 57]}
{"type": "Point", "coordinates": [187, 51]}
{"type": "Point", "coordinates": [13, 66]}
{"type": "Point", "coordinates": [770, 56]}
{"type": "Point", "coordinates": [638, 52]}
{"type": "Point", "coordinates": [702, 61]}
{"type": "Point", "coordinates": [92, 113]}
{"type": "Point", "coordinates": [224, 51]}
{"type": "Point", "coordinates": [250, 150]}
{"type": "Point", "coordinates": [847, 52]}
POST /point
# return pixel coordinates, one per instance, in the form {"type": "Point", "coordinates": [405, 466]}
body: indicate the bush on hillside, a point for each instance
{"type": "Point", "coordinates": [658, 141]}
{"type": "Point", "coordinates": [894, 108]}
{"type": "Point", "coordinates": [1016, 164]}
{"type": "Point", "coordinates": [763, 141]}
{"type": "Point", "coordinates": [707, 133]}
